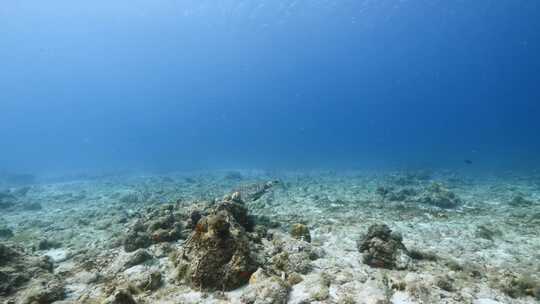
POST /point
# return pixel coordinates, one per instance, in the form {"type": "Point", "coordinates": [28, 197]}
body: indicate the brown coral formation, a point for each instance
{"type": "Point", "coordinates": [219, 253]}
{"type": "Point", "coordinates": [162, 225]}
{"type": "Point", "coordinates": [383, 248]}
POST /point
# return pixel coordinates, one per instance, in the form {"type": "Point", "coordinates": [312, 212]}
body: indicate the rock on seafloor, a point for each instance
{"type": "Point", "coordinates": [218, 255]}
{"type": "Point", "coordinates": [161, 225]}
{"type": "Point", "coordinates": [383, 248]}
{"type": "Point", "coordinates": [265, 288]}
{"type": "Point", "coordinates": [301, 232]}
{"type": "Point", "coordinates": [19, 270]}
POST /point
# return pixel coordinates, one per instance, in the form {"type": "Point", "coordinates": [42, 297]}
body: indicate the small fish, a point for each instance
{"type": "Point", "coordinates": [468, 161]}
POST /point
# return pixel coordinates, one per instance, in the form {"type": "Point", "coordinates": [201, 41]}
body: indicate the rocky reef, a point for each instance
{"type": "Point", "coordinates": [6, 200]}
{"type": "Point", "coordinates": [383, 248]}
{"type": "Point", "coordinates": [15, 200]}
{"type": "Point", "coordinates": [433, 194]}
{"type": "Point", "coordinates": [219, 254]}
{"type": "Point", "coordinates": [312, 237]}
{"type": "Point", "coordinates": [265, 288]}
{"type": "Point", "coordinates": [438, 195]}
{"type": "Point", "coordinates": [33, 275]}
{"type": "Point", "coordinates": [301, 232]}
{"type": "Point", "coordinates": [161, 225]}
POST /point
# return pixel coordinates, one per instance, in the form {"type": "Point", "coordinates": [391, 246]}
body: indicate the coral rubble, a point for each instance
{"type": "Point", "coordinates": [383, 248]}
{"type": "Point", "coordinates": [183, 239]}
{"type": "Point", "coordinates": [19, 270]}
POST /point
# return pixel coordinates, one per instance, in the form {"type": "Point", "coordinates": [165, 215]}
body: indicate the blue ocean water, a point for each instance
{"type": "Point", "coordinates": [200, 84]}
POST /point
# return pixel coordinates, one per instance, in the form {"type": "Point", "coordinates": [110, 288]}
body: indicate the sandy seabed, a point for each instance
{"type": "Point", "coordinates": [267, 237]}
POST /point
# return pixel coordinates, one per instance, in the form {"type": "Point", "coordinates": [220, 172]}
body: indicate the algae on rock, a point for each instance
{"type": "Point", "coordinates": [162, 225]}
{"type": "Point", "coordinates": [301, 232]}
{"type": "Point", "coordinates": [219, 254]}
{"type": "Point", "coordinates": [18, 269]}
{"type": "Point", "coordinates": [383, 248]}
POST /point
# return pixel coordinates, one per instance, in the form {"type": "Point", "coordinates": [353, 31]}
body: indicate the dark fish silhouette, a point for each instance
{"type": "Point", "coordinates": [468, 161]}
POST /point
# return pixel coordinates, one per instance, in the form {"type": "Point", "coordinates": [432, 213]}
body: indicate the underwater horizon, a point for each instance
{"type": "Point", "coordinates": [191, 85]}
